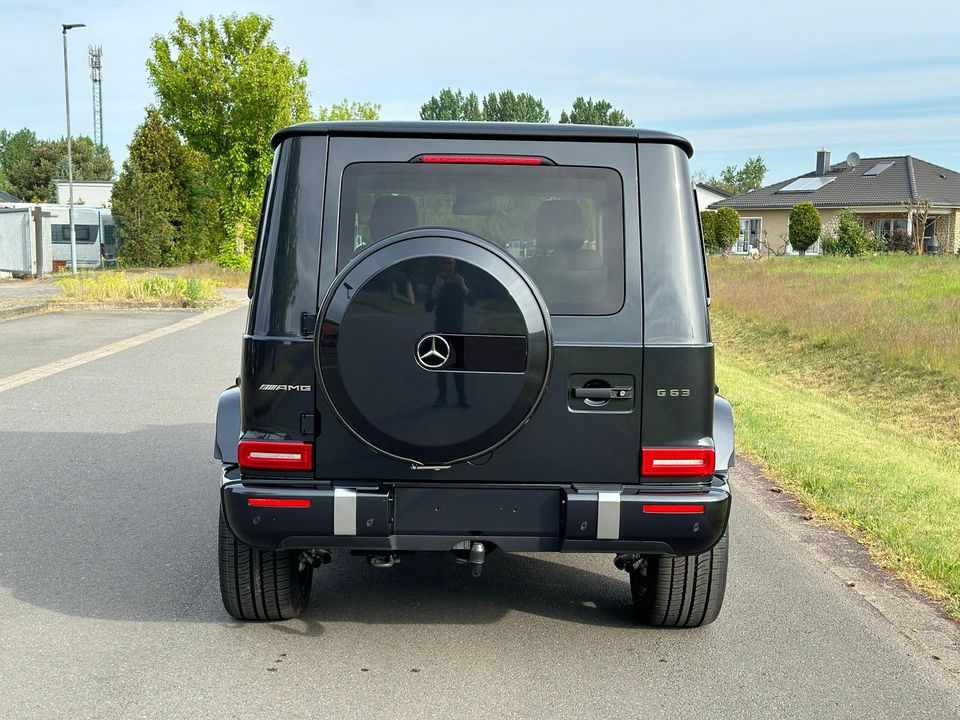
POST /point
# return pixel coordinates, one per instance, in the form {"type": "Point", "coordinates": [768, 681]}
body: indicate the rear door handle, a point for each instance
{"type": "Point", "coordinates": [603, 393]}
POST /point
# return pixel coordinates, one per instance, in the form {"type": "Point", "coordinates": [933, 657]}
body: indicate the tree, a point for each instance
{"type": "Point", "coordinates": [727, 229]}
{"type": "Point", "coordinates": [31, 178]}
{"type": "Point", "coordinates": [919, 211]}
{"type": "Point", "coordinates": [349, 110]}
{"type": "Point", "coordinates": [145, 229]}
{"type": "Point", "coordinates": [505, 106]}
{"type": "Point", "coordinates": [450, 105]}
{"type": "Point", "coordinates": [735, 179]}
{"type": "Point", "coordinates": [803, 228]}
{"type": "Point", "coordinates": [226, 88]}
{"type": "Point", "coordinates": [164, 202]}
{"type": "Point", "coordinates": [14, 149]}
{"type": "Point", "coordinates": [601, 112]}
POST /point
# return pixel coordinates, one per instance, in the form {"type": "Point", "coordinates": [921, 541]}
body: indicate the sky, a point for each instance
{"type": "Point", "coordinates": [775, 79]}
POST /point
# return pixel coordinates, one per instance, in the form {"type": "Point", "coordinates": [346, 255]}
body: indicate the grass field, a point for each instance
{"type": "Point", "coordinates": [111, 286]}
{"type": "Point", "coordinates": [223, 276]}
{"type": "Point", "coordinates": [845, 379]}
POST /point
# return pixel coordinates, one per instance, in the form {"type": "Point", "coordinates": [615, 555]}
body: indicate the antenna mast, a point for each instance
{"type": "Point", "coordinates": [96, 63]}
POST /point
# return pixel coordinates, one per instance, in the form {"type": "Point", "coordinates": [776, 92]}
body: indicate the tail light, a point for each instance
{"type": "Point", "coordinates": [678, 462]}
{"type": "Point", "coordinates": [272, 502]}
{"type": "Point", "coordinates": [484, 159]}
{"type": "Point", "coordinates": [265, 455]}
{"type": "Point", "coordinates": [674, 509]}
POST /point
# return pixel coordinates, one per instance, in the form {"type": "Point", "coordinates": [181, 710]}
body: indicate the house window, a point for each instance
{"type": "Point", "coordinates": [884, 226]}
{"type": "Point", "coordinates": [751, 232]}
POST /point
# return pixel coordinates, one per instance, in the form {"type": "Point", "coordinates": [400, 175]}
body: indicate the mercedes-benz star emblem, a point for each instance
{"type": "Point", "coordinates": [433, 352]}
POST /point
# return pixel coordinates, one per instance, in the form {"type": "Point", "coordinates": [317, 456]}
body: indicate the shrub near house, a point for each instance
{"type": "Point", "coordinates": [850, 238]}
{"type": "Point", "coordinates": [804, 227]}
{"type": "Point", "coordinates": [727, 229]}
{"type": "Point", "coordinates": [720, 229]}
{"type": "Point", "coordinates": [708, 223]}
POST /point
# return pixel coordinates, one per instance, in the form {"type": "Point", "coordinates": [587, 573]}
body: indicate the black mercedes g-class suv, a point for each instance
{"type": "Point", "coordinates": [476, 336]}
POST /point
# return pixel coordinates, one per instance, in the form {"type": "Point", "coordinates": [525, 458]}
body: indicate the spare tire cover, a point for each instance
{"type": "Point", "coordinates": [433, 347]}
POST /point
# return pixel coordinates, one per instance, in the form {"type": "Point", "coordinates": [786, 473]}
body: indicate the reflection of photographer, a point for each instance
{"type": "Point", "coordinates": [447, 298]}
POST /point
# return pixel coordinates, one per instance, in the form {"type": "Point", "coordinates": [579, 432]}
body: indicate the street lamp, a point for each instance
{"type": "Point", "coordinates": [66, 90]}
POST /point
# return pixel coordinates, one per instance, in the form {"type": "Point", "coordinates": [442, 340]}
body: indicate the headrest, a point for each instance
{"type": "Point", "coordinates": [560, 225]}
{"type": "Point", "coordinates": [392, 214]}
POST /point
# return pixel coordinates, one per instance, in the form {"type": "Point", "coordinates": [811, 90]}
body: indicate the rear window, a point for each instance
{"type": "Point", "coordinates": [564, 225]}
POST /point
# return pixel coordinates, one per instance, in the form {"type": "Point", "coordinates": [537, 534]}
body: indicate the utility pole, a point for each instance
{"type": "Point", "coordinates": [66, 90]}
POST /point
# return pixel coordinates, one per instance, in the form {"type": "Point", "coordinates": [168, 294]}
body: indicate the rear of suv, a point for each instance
{"type": "Point", "coordinates": [476, 336]}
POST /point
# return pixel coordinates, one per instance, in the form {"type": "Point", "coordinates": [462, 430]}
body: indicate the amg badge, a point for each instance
{"type": "Point", "coordinates": [288, 388]}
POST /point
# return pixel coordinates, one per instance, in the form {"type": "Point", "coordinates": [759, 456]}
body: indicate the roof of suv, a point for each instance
{"type": "Point", "coordinates": [511, 131]}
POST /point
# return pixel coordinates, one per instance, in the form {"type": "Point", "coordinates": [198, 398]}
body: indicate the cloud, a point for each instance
{"type": "Point", "coordinates": [712, 99]}
{"type": "Point", "coordinates": [741, 76]}
{"type": "Point", "coordinates": [904, 132]}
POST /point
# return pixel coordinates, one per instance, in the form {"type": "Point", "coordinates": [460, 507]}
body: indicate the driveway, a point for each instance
{"type": "Point", "coordinates": [110, 608]}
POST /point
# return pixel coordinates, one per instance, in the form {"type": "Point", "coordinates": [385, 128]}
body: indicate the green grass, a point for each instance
{"type": "Point", "coordinates": [903, 309]}
{"type": "Point", "coordinates": [223, 276]}
{"type": "Point", "coordinates": [147, 289]}
{"type": "Point", "coordinates": [865, 429]}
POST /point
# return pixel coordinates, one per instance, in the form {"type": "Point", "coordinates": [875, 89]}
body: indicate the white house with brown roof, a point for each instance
{"type": "Point", "coordinates": [878, 190]}
{"type": "Point", "coordinates": [708, 194]}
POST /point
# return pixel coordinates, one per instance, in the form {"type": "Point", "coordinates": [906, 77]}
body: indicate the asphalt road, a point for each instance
{"type": "Point", "coordinates": [109, 605]}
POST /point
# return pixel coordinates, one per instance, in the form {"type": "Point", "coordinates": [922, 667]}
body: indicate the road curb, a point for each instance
{"type": "Point", "coordinates": [915, 615]}
{"type": "Point", "coordinates": [19, 311]}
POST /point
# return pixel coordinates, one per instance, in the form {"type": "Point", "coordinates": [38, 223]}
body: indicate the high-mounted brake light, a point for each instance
{"type": "Point", "coordinates": [279, 502]}
{"type": "Point", "coordinates": [678, 462]}
{"type": "Point", "coordinates": [674, 509]}
{"type": "Point", "coordinates": [267, 455]}
{"type": "Point", "coordinates": [484, 159]}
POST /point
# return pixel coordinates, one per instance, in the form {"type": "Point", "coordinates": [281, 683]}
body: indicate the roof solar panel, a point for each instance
{"type": "Point", "coordinates": [878, 168]}
{"type": "Point", "coordinates": [807, 184]}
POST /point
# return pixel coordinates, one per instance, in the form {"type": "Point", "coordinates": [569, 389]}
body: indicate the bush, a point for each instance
{"type": "Point", "coordinates": [804, 226]}
{"type": "Point", "coordinates": [727, 229]}
{"type": "Point", "coordinates": [228, 258]}
{"type": "Point", "coordinates": [899, 240]}
{"type": "Point", "coordinates": [708, 223]}
{"type": "Point", "coordinates": [720, 229]}
{"type": "Point", "coordinates": [850, 239]}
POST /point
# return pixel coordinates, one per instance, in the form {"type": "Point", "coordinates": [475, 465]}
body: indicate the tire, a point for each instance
{"type": "Point", "coordinates": [258, 584]}
{"type": "Point", "coordinates": [685, 591]}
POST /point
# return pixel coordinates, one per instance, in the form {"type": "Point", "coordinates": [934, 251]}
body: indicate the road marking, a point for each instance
{"type": "Point", "coordinates": [58, 366]}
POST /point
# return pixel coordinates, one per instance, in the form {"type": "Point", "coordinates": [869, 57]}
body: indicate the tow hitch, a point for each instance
{"type": "Point", "coordinates": [472, 552]}
{"type": "Point", "coordinates": [314, 558]}
{"type": "Point", "coordinates": [630, 562]}
{"type": "Point", "coordinates": [477, 555]}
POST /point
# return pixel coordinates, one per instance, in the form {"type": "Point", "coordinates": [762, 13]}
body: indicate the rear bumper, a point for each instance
{"type": "Point", "coordinates": [514, 518]}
